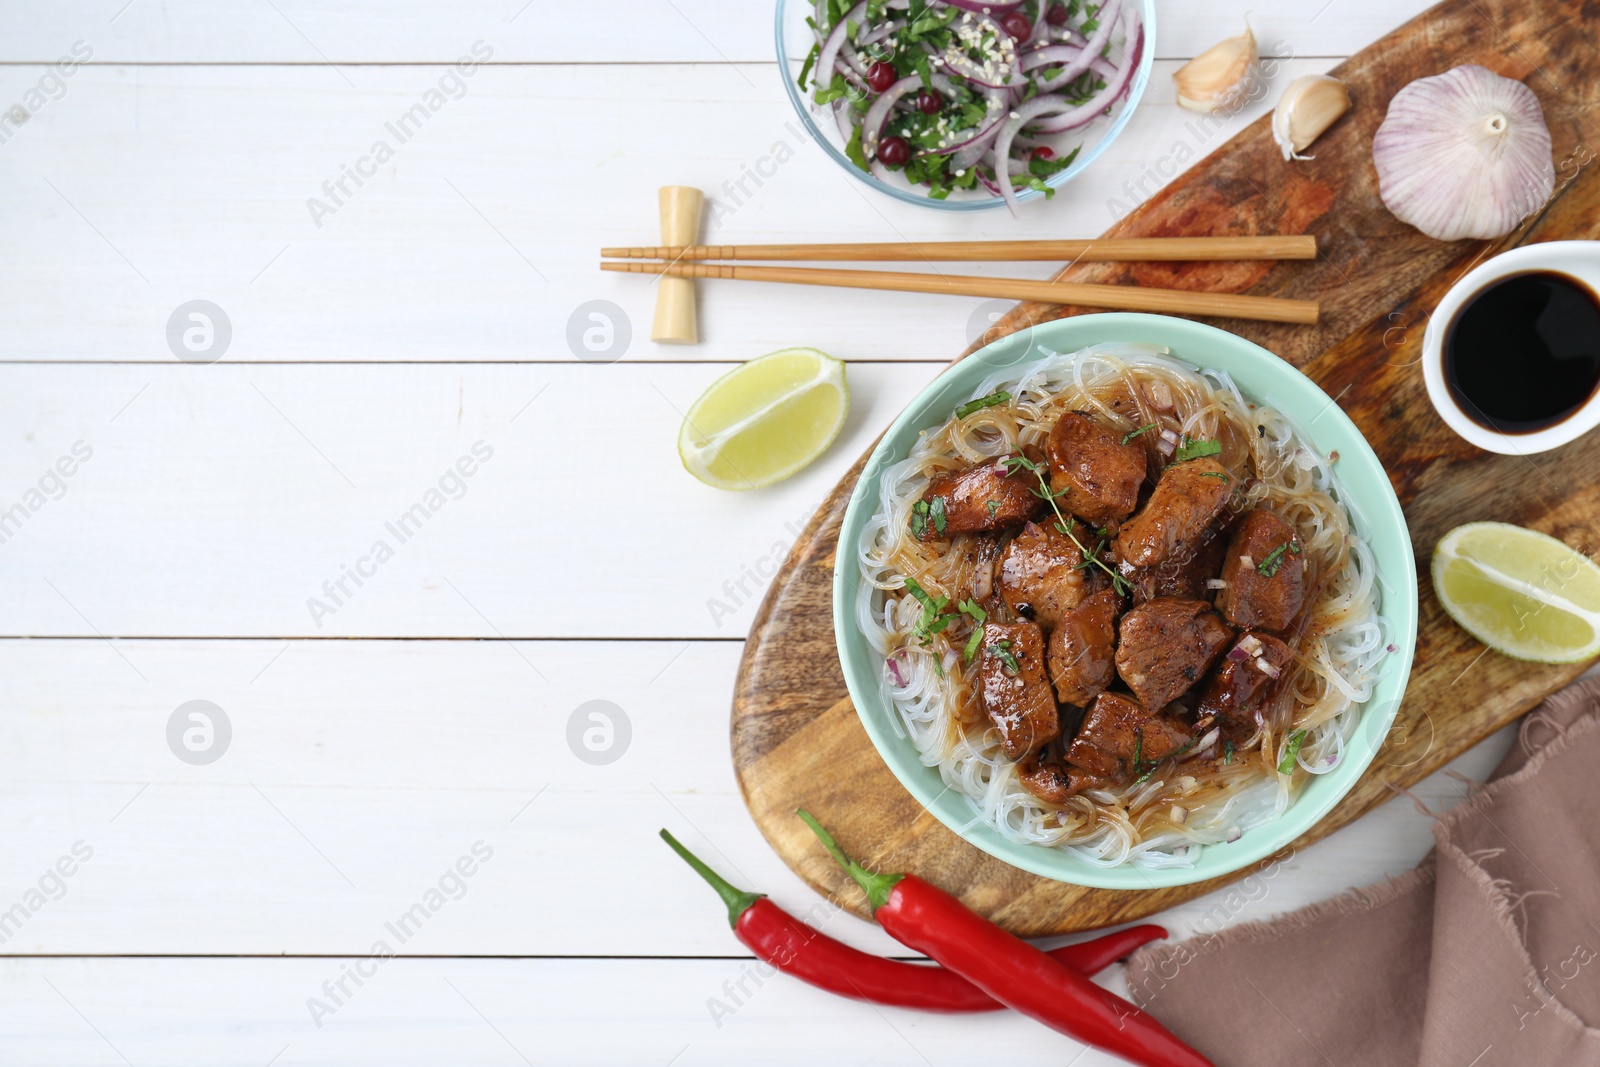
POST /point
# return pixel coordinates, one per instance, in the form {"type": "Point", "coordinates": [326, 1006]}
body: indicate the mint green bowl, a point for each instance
{"type": "Point", "coordinates": [1264, 379]}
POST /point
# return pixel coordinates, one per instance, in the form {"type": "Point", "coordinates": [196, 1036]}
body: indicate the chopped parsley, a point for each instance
{"type": "Point", "coordinates": [919, 520]}
{"type": "Point", "coordinates": [1146, 428]}
{"type": "Point", "coordinates": [993, 506]}
{"type": "Point", "coordinates": [970, 608]}
{"type": "Point", "coordinates": [936, 513]}
{"type": "Point", "coordinates": [1269, 566]}
{"type": "Point", "coordinates": [931, 622]}
{"type": "Point", "coordinates": [1227, 752]}
{"type": "Point", "coordinates": [1192, 449]}
{"type": "Point", "coordinates": [992, 400]}
{"type": "Point", "coordinates": [1001, 650]}
{"type": "Point", "coordinates": [1291, 752]}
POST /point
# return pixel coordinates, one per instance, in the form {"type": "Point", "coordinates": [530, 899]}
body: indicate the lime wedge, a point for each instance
{"type": "Point", "coordinates": [1521, 592]}
{"type": "Point", "coordinates": [765, 420]}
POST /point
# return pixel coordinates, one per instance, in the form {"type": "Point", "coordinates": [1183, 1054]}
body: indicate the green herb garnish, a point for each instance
{"type": "Point", "coordinates": [1291, 752]}
{"type": "Point", "coordinates": [1146, 428]}
{"type": "Point", "coordinates": [919, 520]}
{"type": "Point", "coordinates": [1269, 566]}
{"type": "Point", "coordinates": [970, 608]}
{"type": "Point", "coordinates": [993, 506]}
{"type": "Point", "coordinates": [931, 621]}
{"type": "Point", "coordinates": [1227, 752]}
{"type": "Point", "coordinates": [1001, 650]}
{"type": "Point", "coordinates": [1192, 449]}
{"type": "Point", "coordinates": [1065, 525]}
{"type": "Point", "coordinates": [936, 513]}
{"type": "Point", "coordinates": [992, 400]}
{"type": "Point", "coordinates": [1215, 474]}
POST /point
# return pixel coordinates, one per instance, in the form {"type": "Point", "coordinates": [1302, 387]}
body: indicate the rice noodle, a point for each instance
{"type": "Point", "coordinates": [1331, 676]}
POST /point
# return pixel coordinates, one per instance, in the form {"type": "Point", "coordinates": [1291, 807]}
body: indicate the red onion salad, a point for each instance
{"type": "Point", "coordinates": [961, 95]}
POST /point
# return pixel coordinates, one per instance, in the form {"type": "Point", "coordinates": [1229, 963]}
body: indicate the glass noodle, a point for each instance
{"type": "Point", "coordinates": [1202, 799]}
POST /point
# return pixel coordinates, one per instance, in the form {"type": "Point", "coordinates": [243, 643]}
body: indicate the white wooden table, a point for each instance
{"type": "Point", "coordinates": [419, 719]}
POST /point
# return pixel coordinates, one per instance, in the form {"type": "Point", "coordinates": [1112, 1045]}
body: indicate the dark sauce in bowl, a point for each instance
{"type": "Point", "coordinates": [1524, 353]}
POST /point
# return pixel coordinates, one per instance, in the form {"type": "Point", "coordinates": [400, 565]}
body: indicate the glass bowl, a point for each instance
{"type": "Point", "coordinates": [794, 41]}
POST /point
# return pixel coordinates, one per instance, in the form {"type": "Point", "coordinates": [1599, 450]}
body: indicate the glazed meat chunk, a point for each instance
{"type": "Point", "coordinates": [984, 496]}
{"type": "Point", "coordinates": [1268, 601]}
{"type": "Point", "coordinates": [1185, 501]}
{"type": "Point", "coordinates": [1095, 475]}
{"type": "Point", "coordinates": [1166, 645]}
{"type": "Point", "coordinates": [1042, 575]}
{"type": "Point", "coordinates": [1184, 574]}
{"type": "Point", "coordinates": [1235, 689]}
{"type": "Point", "coordinates": [1015, 689]}
{"type": "Point", "coordinates": [1083, 647]}
{"type": "Point", "coordinates": [1050, 779]}
{"type": "Point", "coordinates": [1120, 738]}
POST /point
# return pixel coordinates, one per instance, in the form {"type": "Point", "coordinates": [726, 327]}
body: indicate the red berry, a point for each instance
{"type": "Point", "coordinates": [881, 75]}
{"type": "Point", "coordinates": [1057, 15]}
{"type": "Point", "coordinates": [1017, 25]}
{"type": "Point", "coordinates": [929, 102]}
{"type": "Point", "coordinates": [894, 151]}
{"type": "Point", "coordinates": [1043, 152]}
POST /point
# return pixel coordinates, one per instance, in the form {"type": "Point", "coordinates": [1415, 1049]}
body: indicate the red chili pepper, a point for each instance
{"type": "Point", "coordinates": [813, 957]}
{"type": "Point", "coordinates": [924, 917]}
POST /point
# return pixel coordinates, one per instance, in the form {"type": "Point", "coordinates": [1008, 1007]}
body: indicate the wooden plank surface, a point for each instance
{"type": "Point", "coordinates": [797, 741]}
{"type": "Point", "coordinates": [191, 143]}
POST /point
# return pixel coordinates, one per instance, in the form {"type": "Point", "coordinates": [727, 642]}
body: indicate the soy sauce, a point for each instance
{"type": "Point", "coordinates": [1524, 353]}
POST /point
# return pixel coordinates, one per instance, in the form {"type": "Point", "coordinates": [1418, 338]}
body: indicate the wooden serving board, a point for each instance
{"type": "Point", "coordinates": [796, 738]}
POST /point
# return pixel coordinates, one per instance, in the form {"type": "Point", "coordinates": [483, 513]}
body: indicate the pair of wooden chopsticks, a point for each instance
{"type": "Point", "coordinates": [687, 262]}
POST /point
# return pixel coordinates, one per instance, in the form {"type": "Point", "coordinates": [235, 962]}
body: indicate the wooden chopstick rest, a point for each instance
{"type": "Point", "coordinates": [675, 322]}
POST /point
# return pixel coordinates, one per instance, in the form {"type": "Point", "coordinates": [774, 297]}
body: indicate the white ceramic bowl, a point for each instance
{"type": "Point", "coordinates": [1579, 260]}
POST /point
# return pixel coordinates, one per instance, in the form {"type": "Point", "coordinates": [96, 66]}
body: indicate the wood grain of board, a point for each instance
{"type": "Point", "coordinates": [795, 736]}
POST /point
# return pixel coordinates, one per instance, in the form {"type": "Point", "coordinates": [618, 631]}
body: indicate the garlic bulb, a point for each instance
{"type": "Point", "coordinates": [1465, 153]}
{"type": "Point", "coordinates": [1218, 77]}
{"type": "Point", "coordinates": [1308, 107]}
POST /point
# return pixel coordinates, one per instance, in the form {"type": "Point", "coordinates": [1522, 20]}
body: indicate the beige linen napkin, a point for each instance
{"type": "Point", "coordinates": [1486, 954]}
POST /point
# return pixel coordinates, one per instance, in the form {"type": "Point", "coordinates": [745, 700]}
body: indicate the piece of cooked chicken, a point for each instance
{"type": "Point", "coordinates": [1184, 502]}
{"type": "Point", "coordinates": [1083, 649]}
{"type": "Point", "coordinates": [1042, 575]}
{"type": "Point", "coordinates": [1166, 645]}
{"type": "Point", "coordinates": [1265, 572]}
{"type": "Point", "coordinates": [1015, 688]}
{"type": "Point", "coordinates": [984, 496]}
{"type": "Point", "coordinates": [1120, 738]}
{"type": "Point", "coordinates": [1095, 476]}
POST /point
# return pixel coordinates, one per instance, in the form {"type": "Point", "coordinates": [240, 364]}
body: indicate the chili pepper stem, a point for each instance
{"type": "Point", "coordinates": [738, 900]}
{"type": "Point", "coordinates": [877, 886]}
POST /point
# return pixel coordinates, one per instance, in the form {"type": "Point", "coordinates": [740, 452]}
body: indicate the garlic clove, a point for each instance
{"type": "Point", "coordinates": [1308, 107]}
{"type": "Point", "coordinates": [1465, 153]}
{"type": "Point", "coordinates": [1218, 77]}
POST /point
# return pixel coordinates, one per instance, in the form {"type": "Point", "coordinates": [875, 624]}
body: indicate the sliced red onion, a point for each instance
{"type": "Point", "coordinates": [1216, 583]}
{"type": "Point", "coordinates": [1025, 113]}
{"type": "Point", "coordinates": [980, 7]}
{"type": "Point", "coordinates": [1180, 814]}
{"type": "Point", "coordinates": [1266, 668]}
{"type": "Point", "coordinates": [1234, 833]}
{"type": "Point", "coordinates": [878, 113]}
{"type": "Point", "coordinates": [1108, 15]}
{"type": "Point", "coordinates": [893, 663]}
{"type": "Point", "coordinates": [1251, 644]}
{"type": "Point", "coordinates": [1210, 738]}
{"type": "Point", "coordinates": [828, 56]}
{"type": "Point", "coordinates": [1035, 58]}
{"type": "Point", "coordinates": [1237, 654]}
{"type": "Point", "coordinates": [1087, 112]}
